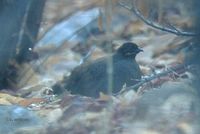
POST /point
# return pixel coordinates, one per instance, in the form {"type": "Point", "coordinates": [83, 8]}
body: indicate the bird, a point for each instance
{"type": "Point", "coordinates": [89, 79]}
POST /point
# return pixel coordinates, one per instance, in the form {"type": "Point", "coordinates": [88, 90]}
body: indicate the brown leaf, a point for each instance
{"type": "Point", "coordinates": [27, 102]}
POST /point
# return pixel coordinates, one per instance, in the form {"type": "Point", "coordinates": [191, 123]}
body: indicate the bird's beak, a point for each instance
{"type": "Point", "coordinates": [140, 50]}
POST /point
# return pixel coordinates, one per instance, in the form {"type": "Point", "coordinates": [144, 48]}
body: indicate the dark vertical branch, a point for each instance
{"type": "Point", "coordinates": [197, 16]}
{"type": "Point", "coordinates": [11, 16]}
{"type": "Point", "coordinates": [108, 14]}
{"type": "Point", "coordinates": [195, 51]}
{"type": "Point", "coordinates": [19, 24]}
{"type": "Point", "coordinates": [31, 29]}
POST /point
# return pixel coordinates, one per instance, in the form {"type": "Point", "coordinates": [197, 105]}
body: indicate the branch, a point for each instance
{"type": "Point", "coordinates": [168, 71]}
{"type": "Point", "coordinates": [89, 53]}
{"type": "Point", "coordinates": [156, 25]}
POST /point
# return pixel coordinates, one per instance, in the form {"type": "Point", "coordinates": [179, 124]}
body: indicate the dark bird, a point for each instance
{"type": "Point", "coordinates": [90, 79]}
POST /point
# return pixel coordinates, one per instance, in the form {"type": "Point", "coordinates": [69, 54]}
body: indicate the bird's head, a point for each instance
{"type": "Point", "coordinates": [129, 49]}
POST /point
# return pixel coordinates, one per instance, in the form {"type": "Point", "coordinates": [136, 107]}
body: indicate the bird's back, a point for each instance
{"type": "Point", "coordinates": [85, 79]}
{"type": "Point", "coordinates": [90, 79]}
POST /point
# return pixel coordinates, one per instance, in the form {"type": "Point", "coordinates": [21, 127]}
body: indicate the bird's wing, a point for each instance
{"type": "Point", "coordinates": [94, 70]}
{"type": "Point", "coordinates": [127, 71]}
{"type": "Point", "coordinates": [83, 74]}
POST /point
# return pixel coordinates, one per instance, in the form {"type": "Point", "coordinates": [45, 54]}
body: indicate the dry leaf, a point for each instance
{"type": "Point", "coordinates": [9, 99]}
{"type": "Point", "coordinates": [27, 102]}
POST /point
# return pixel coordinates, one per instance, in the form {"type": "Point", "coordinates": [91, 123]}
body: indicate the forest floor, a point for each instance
{"type": "Point", "coordinates": [164, 105]}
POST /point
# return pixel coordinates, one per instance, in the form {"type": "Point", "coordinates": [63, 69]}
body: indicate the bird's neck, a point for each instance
{"type": "Point", "coordinates": [120, 56]}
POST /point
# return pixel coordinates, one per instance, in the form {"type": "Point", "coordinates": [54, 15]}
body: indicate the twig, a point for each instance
{"type": "Point", "coordinates": [156, 76]}
{"type": "Point", "coordinates": [89, 53]}
{"type": "Point", "coordinates": [154, 24]}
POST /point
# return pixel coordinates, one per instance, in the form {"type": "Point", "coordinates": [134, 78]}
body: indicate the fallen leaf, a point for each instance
{"type": "Point", "coordinates": [9, 99]}
{"type": "Point", "coordinates": [27, 102]}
